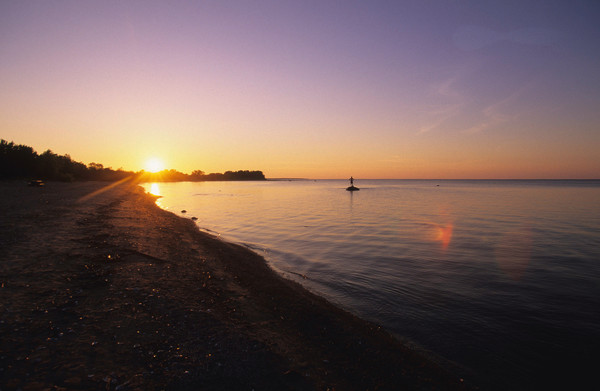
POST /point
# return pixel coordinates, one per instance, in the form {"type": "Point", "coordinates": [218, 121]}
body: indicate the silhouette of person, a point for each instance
{"type": "Point", "coordinates": [351, 181]}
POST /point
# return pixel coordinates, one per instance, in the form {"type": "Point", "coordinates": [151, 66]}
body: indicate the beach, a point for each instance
{"type": "Point", "coordinates": [101, 289]}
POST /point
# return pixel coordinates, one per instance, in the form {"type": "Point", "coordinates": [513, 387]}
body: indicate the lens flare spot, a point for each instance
{"type": "Point", "coordinates": [443, 234]}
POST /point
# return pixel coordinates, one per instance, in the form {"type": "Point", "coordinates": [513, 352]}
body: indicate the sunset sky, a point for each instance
{"type": "Point", "coordinates": [318, 89]}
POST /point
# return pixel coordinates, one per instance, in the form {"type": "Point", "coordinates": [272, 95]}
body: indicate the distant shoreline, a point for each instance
{"type": "Point", "coordinates": [441, 180]}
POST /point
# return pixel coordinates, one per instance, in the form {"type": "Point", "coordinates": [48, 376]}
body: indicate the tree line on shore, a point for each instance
{"type": "Point", "coordinates": [23, 162]}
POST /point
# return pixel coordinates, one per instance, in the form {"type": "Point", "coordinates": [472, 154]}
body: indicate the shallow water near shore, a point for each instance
{"type": "Point", "coordinates": [501, 278]}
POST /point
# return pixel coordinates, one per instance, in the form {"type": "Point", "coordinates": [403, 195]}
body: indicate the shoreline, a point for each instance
{"type": "Point", "coordinates": [116, 293]}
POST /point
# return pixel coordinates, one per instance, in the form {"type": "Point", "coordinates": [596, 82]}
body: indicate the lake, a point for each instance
{"type": "Point", "coordinates": [498, 280]}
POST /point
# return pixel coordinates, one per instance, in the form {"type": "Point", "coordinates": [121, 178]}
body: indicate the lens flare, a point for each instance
{"type": "Point", "coordinates": [443, 234]}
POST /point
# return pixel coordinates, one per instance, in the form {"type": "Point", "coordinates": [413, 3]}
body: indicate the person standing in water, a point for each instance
{"type": "Point", "coordinates": [351, 181]}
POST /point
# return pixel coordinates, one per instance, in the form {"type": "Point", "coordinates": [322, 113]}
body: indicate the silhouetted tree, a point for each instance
{"type": "Point", "coordinates": [21, 161]}
{"type": "Point", "coordinates": [16, 161]}
{"type": "Point", "coordinates": [197, 174]}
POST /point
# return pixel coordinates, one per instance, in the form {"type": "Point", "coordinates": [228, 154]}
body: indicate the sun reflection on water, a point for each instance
{"type": "Point", "coordinates": [155, 189]}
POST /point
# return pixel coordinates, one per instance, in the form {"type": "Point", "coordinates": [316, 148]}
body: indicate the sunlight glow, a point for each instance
{"type": "Point", "coordinates": [154, 165]}
{"type": "Point", "coordinates": [102, 190]}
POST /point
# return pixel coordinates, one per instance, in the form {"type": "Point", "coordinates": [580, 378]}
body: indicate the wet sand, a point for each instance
{"type": "Point", "coordinates": [107, 291]}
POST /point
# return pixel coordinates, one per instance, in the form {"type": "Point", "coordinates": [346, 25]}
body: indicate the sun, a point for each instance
{"type": "Point", "coordinates": [154, 165]}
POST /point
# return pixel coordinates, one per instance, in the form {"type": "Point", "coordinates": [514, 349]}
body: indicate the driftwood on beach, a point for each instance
{"type": "Point", "coordinates": [104, 290]}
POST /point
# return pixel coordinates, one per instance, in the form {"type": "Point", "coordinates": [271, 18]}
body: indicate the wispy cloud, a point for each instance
{"type": "Point", "coordinates": [437, 114]}
{"type": "Point", "coordinates": [500, 111]}
{"type": "Point", "coordinates": [394, 159]}
{"type": "Point", "coordinates": [473, 100]}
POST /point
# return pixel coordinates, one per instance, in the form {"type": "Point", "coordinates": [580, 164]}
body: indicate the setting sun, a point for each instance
{"type": "Point", "coordinates": [154, 165]}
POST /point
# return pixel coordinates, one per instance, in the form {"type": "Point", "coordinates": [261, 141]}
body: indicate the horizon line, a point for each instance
{"type": "Point", "coordinates": [433, 179]}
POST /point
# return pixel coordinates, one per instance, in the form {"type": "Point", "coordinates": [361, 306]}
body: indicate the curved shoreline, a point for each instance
{"type": "Point", "coordinates": [135, 297]}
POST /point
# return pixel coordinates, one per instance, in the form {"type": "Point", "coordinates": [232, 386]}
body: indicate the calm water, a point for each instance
{"type": "Point", "coordinates": [498, 278]}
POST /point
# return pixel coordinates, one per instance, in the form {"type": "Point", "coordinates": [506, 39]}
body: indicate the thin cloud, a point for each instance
{"type": "Point", "coordinates": [437, 114]}
{"type": "Point", "coordinates": [501, 111]}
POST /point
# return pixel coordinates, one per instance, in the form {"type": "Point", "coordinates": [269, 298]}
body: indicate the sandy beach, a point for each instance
{"type": "Point", "coordinates": [101, 289]}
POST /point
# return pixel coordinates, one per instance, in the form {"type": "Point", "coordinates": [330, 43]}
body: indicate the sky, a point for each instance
{"type": "Point", "coordinates": [313, 89]}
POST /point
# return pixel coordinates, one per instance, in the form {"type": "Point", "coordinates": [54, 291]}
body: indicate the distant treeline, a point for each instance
{"type": "Point", "coordinates": [198, 176]}
{"type": "Point", "coordinates": [23, 162]}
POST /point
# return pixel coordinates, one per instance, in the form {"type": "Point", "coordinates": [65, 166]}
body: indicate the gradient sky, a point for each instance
{"type": "Point", "coordinates": [319, 89]}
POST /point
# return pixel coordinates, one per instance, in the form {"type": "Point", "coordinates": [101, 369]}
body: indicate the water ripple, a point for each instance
{"type": "Point", "coordinates": [501, 277]}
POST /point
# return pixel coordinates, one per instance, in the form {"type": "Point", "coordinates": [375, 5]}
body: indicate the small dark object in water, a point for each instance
{"type": "Point", "coordinates": [36, 183]}
{"type": "Point", "coordinates": [352, 187]}
{"type": "Point", "coordinates": [184, 211]}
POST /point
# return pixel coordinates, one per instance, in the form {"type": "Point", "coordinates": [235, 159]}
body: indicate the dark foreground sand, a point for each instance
{"type": "Point", "coordinates": [109, 292]}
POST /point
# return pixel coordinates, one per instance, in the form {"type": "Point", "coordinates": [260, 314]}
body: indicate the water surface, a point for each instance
{"type": "Point", "coordinates": [500, 278]}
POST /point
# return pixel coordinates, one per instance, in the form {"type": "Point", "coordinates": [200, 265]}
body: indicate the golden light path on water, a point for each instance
{"type": "Point", "coordinates": [155, 189]}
